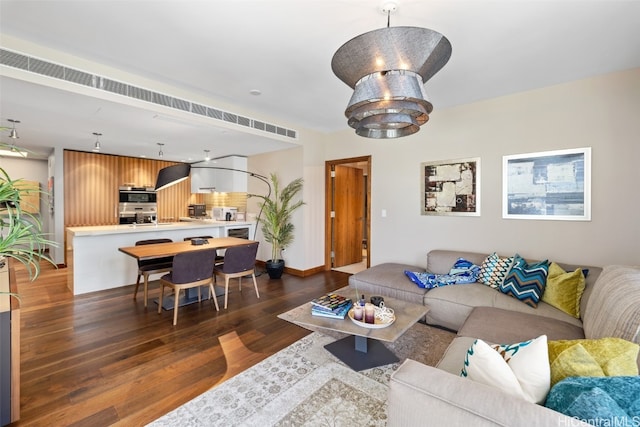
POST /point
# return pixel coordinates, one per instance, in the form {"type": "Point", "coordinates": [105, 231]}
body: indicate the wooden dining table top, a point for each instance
{"type": "Point", "coordinates": [158, 250]}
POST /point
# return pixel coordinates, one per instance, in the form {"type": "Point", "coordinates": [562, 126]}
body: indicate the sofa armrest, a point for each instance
{"type": "Point", "coordinates": [422, 395]}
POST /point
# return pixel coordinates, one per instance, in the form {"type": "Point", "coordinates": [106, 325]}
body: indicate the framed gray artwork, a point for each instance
{"type": "Point", "coordinates": [451, 187]}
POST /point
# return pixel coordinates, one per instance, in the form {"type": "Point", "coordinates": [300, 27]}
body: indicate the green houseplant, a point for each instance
{"type": "Point", "coordinates": [21, 236]}
{"type": "Point", "coordinates": [276, 209]}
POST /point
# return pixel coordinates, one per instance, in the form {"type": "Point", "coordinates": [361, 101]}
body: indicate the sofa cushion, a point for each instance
{"type": "Point", "coordinates": [608, 401]}
{"type": "Point", "coordinates": [451, 305]}
{"type": "Point", "coordinates": [564, 290]}
{"type": "Point", "coordinates": [453, 358]}
{"type": "Point", "coordinates": [520, 369]}
{"type": "Point", "coordinates": [494, 269]}
{"type": "Point", "coordinates": [388, 280]}
{"type": "Point", "coordinates": [595, 358]}
{"type": "Point", "coordinates": [612, 309]}
{"type": "Point", "coordinates": [525, 282]}
{"type": "Point", "coordinates": [503, 326]}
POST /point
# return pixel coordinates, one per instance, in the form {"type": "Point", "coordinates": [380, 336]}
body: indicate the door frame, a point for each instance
{"type": "Point", "coordinates": [328, 185]}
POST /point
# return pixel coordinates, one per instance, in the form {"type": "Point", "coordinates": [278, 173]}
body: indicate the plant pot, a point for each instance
{"type": "Point", "coordinates": [275, 268]}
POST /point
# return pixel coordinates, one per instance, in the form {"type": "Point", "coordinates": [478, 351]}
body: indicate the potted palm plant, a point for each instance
{"type": "Point", "coordinates": [276, 209]}
{"type": "Point", "coordinates": [21, 236]}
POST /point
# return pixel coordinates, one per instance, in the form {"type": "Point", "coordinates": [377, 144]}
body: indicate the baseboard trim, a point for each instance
{"type": "Point", "coordinates": [295, 271]}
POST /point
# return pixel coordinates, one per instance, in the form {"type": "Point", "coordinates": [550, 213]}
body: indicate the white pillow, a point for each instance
{"type": "Point", "coordinates": [520, 369]}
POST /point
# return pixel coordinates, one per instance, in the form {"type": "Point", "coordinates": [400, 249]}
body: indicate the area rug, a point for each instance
{"type": "Point", "coordinates": [304, 385]}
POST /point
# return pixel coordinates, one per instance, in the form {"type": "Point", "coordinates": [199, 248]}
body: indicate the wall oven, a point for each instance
{"type": "Point", "coordinates": [137, 205]}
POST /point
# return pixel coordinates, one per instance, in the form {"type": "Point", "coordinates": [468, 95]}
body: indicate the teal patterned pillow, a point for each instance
{"type": "Point", "coordinates": [526, 282]}
{"type": "Point", "coordinates": [494, 269]}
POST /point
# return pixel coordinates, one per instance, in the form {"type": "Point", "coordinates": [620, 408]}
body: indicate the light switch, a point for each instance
{"type": "Point", "coordinates": [384, 213]}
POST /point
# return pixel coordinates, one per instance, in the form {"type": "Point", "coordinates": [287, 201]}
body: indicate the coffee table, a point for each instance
{"type": "Point", "coordinates": [362, 347]}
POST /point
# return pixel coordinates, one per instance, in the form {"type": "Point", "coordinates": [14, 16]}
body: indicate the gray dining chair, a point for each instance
{"type": "Point", "coordinates": [190, 270]}
{"type": "Point", "coordinates": [239, 261]}
{"type": "Point", "coordinates": [219, 258]}
{"type": "Point", "coordinates": [148, 267]}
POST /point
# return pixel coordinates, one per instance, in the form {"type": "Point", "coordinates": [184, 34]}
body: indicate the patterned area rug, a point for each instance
{"type": "Point", "coordinates": [304, 385]}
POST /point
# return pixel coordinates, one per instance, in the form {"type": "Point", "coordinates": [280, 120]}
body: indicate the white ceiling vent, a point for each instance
{"type": "Point", "coordinates": [38, 66]}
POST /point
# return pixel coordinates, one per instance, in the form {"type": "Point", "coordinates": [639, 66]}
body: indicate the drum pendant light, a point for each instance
{"type": "Point", "coordinates": [387, 69]}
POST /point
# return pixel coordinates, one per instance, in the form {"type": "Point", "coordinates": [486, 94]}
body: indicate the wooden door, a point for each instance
{"type": "Point", "coordinates": [349, 215]}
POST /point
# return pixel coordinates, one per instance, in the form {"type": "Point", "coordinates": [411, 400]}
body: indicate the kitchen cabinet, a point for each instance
{"type": "Point", "coordinates": [203, 180]}
{"type": "Point", "coordinates": [219, 177]}
{"type": "Point", "coordinates": [229, 181]}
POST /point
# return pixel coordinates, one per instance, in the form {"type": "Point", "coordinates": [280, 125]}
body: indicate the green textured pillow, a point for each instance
{"type": "Point", "coordinates": [604, 357]}
{"type": "Point", "coordinates": [564, 290]}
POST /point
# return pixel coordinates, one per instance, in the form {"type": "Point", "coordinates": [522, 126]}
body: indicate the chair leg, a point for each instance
{"type": "Point", "coordinates": [255, 284]}
{"type": "Point", "coordinates": [176, 298]}
{"type": "Point", "coordinates": [135, 291]}
{"type": "Point", "coordinates": [226, 291]}
{"type": "Point", "coordinates": [146, 288]}
{"type": "Point", "coordinates": [161, 297]}
{"type": "Point", "coordinates": [212, 295]}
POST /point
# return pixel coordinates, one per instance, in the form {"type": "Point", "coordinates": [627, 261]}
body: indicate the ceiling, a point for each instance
{"type": "Point", "coordinates": [216, 52]}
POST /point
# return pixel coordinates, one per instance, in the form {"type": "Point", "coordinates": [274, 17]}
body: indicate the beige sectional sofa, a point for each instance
{"type": "Point", "coordinates": [423, 395]}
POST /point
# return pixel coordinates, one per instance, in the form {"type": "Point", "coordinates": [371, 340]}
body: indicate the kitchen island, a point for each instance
{"type": "Point", "coordinates": [95, 264]}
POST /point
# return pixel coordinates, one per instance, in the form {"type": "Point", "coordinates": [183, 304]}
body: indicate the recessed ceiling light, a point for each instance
{"type": "Point", "coordinates": [255, 92]}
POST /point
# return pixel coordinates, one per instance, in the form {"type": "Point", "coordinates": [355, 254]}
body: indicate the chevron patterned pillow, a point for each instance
{"type": "Point", "coordinates": [494, 269]}
{"type": "Point", "coordinates": [526, 282]}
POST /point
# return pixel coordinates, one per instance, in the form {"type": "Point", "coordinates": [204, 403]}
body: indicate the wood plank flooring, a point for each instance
{"type": "Point", "coordinates": [102, 359]}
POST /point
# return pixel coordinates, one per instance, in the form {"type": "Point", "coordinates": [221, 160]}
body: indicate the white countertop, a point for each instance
{"type": "Point", "coordinates": [141, 228]}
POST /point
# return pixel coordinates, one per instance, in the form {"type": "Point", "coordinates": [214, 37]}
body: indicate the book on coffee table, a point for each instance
{"type": "Point", "coordinates": [331, 305]}
{"type": "Point", "coordinates": [337, 313]}
{"type": "Point", "coordinates": [330, 301]}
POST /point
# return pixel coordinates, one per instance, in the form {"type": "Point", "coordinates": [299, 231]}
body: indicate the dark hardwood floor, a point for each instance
{"type": "Point", "coordinates": [102, 359]}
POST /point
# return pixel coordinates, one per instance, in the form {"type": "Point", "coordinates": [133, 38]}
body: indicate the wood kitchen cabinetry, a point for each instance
{"type": "Point", "coordinates": [91, 182]}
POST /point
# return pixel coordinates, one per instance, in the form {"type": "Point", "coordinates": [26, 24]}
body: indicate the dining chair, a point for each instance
{"type": "Point", "coordinates": [190, 270]}
{"type": "Point", "coordinates": [239, 261]}
{"type": "Point", "coordinates": [219, 258]}
{"type": "Point", "coordinates": [147, 267]}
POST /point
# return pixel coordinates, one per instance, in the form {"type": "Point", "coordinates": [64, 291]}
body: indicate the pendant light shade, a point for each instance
{"type": "Point", "coordinates": [172, 175]}
{"type": "Point", "coordinates": [387, 69]}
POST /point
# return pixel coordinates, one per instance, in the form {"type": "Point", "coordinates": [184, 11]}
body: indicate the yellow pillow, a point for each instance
{"type": "Point", "coordinates": [564, 290]}
{"type": "Point", "coordinates": [592, 358]}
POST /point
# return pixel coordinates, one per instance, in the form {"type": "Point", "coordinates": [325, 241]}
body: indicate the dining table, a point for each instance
{"type": "Point", "coordinates": [161, 250]}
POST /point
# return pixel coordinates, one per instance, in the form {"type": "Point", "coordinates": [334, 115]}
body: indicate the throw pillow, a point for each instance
{"type": "Point", "coordinates": [608, 401]}
{"type": "Point", "coordinates": [526, 282]}
{"type": "Point", "coordinates": [520, 369]}
{"type": "Point", "coordinates": [564, 290]}
{"type": "Point", "coordinates": [494, 269]}
{"type": "Point", "coordinates": [461, 272]}
{"type": "Point", "coordinates": [592, 358]}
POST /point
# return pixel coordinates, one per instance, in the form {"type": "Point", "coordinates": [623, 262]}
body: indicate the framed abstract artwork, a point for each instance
{"type": "Point", "coordinates": [552, 185]}
{"type": "Point", "coordinates": [451, 187]}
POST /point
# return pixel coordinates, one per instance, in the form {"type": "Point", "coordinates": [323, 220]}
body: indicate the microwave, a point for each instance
{"type": "Point", "coordinates": [137, 195]}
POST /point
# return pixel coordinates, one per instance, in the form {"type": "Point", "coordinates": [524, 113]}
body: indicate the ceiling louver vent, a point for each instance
{"type": "Point", "coordinates": [39, 66]}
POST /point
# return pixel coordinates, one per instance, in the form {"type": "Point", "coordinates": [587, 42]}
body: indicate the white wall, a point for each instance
{"type": "Point", "coordinates": [601, 113]}
{"type": "Point", "coordinates": [307, 249]}
{"type": "Point", "coordinates": [30, 170]}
